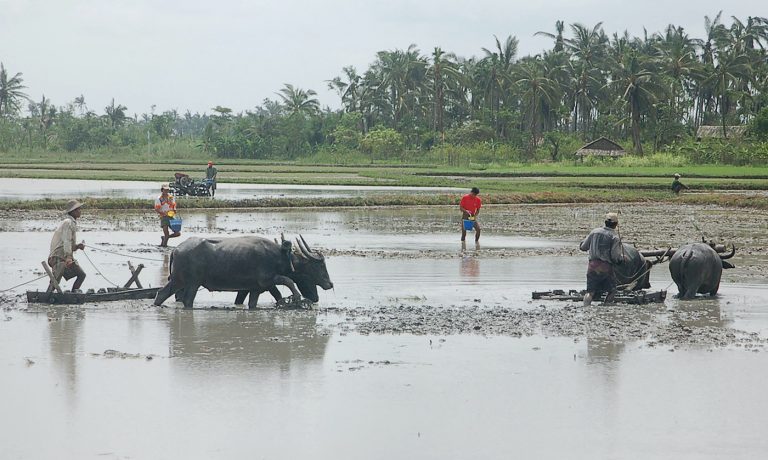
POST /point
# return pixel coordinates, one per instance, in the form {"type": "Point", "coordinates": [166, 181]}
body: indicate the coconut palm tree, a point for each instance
{"type": "Point", "coordinates": [557, 37]}
{"type": "Point", "coordinates": [444, 74]}
{"type": "Point", "coordinates": [730, 70]}
{"type": "Point", "coordinates": [402, 73]}
{"type": "Point", "coordinates": [678, 61]}
{"type": "Point", "coordinates": [11, 94]}
{"type": "Point", "coordinates": [299, 103]}
{"type": "Point", "coordinates": [115, 114]}
{"type": "Point", "coordinates": [492, 81]}
{"type": "Point", "coordinates": [588, 50]}
{"type": "Point", "coordinates": [79, 102]}
{"type": "Point", "coordinates": [636, 79]}
{"type": "Point", "coordinates": [537, 92]}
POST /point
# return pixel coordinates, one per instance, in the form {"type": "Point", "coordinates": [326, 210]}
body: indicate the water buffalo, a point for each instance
{"type": "Point", "coordinates": [697, 268]}
{"type": "Point", "coordinates": [247, 263]}
{"type": "Point", "coordinates": [635, 270]}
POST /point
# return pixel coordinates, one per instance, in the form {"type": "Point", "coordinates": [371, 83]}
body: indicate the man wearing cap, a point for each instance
{"type": "Point", "coordinates": [63, 246]}
{"type": "Point", "coordinates": [605, 251]}
{"type": "Point", "coordinates": [165, 206]}
{"type": "Point", "coordinates": [210, 174]}
{"type": "Point", "coordinates": [470, 207]}
{"type": "Point", "coordinates": [677, 185]}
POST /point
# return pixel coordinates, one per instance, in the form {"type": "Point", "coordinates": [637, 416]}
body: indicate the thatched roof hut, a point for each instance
{"type": "Point", "coordinates": [601, 147]}
{"type": "Point", "coordinates": [716, 132]}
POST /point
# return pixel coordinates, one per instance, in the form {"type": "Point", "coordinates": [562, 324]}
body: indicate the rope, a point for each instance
{"type": "Point", "coordinates": [124, 255]}
{"type": "Point", "coordinates": [98, 272]}
{"type": "Point", "coordinates": [22, 284]}
{"type": "Point", "coordinates": [634, 279]}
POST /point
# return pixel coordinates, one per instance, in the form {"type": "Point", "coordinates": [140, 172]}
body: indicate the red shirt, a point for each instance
{"type": "Point", "coordinates": [471, 203]}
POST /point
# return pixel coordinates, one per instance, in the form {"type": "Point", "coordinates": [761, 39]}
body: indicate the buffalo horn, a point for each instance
{"type": "Point", "coordinates": [300, 251]}
{"type": "Point", "coordinates": [728, 256]}
{"type": "Point", "coordinates": [310, 252]}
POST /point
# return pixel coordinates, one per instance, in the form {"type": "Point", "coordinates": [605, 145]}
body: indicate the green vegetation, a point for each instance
{"type": "Point", "coordinates": [649, 93]}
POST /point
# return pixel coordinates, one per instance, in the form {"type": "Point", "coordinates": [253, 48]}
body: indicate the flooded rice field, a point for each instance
{"type": "Point", "coordinates": [36, 189]}
{"type": "Point", "coordinates": [425, 348]}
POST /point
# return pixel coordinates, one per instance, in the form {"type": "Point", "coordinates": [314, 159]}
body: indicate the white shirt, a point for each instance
{"type": "Point", "coordinates": [64, 239]}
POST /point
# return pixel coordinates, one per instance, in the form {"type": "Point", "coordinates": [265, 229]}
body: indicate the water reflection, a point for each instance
{"type": "Point", "coordinates": [470, 263]}
{"type": "Point", "coordinates": [281, 339]}
{"type": "Point", "coordinates": [65, 327]}
{"type": "Point", "coordinates": [210, 221]}
{"type": "Point", "coordinates": [165, 270]}
{"type": "Point", "coordinates": [699, 312]}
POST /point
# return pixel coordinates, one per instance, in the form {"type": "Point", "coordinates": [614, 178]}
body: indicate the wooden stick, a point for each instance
{"type": "Point", "coordinates": [53, 278]}
{"type": "Point", "coordinates": [134, 275]}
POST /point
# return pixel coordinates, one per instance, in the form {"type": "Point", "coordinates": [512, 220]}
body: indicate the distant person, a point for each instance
{"type": "Point", "coordinates": [165, 206]}
{"type": "Point", "coordinates": [470, 207]}
{"type": "Point", "coordinates": [605, 251]}
{"type": "Point", "coordinates": [63, 246]}
{"type": "Point", "coordinates": [210, 174]}
{"type": "Point", "coordinates": [677, 185]}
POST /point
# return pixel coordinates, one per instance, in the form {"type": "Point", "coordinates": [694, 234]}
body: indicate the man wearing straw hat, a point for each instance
{"type": "Point", "coordinates": [63, 246]}
{"type": "Point", "coordinates": [165, 206]}
{"type": "Point", "coordinates": [677, 185]}
{"type": "Point", "coordinates": [605, 251]}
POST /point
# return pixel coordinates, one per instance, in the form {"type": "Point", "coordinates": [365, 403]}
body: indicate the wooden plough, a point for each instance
{"type": "Point", "coordinates": [631, 297]}
{"type": "Point", "coordinates": [56, 295]}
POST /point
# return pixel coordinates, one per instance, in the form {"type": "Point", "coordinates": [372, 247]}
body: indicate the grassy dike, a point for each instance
{"type": "Point", "coordinates": [559, 197]}
{"type": "Point", "coordinates": [514, 184]}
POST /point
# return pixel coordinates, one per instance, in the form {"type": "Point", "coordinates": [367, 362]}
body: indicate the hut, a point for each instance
{"type": "Point", "coordinates": [601, 147]}
{"type": "Point", "coordinates": [717, 132]}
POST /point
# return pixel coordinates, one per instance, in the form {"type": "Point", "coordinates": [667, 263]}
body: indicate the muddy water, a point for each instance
{"type": "Point", "coordinates": [35, 189]}
{"type": "Point", "coordinates": [424, 349]}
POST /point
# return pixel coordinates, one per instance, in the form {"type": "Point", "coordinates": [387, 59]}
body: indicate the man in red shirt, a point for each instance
{"type": "Point", "coordinates": [470, 207]}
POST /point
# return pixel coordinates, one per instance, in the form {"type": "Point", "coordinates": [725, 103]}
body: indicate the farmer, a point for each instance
{"type": "Point", "coordinates": [165, 206]}
{"type": "Point", "coordinates": [63, 246]}
{"type": "Point", "coordinates": [605, 251]}
{"type": "Point", "coordinates": [470, 207]}
{"type": "Point", "coordinates": [210, 174]}
{"type": "Point", "coordinates": [677, 185]}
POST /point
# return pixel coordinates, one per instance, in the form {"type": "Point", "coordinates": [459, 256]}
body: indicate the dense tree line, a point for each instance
{"type": "Point", "coordinates": [650, 90]}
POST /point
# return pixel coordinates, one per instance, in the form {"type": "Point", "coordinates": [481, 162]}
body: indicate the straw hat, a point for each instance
{"type": "Point", "coordinates": [72, 205]}
{"type": "Point", "coordinates": [612, 217]}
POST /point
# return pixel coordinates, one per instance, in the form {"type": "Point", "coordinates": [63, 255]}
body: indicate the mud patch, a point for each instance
{"type": "Point", "coordinates": [619, 323]}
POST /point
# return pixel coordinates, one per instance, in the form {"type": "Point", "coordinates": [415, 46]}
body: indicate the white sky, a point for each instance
{"type": "Point", "coordinates": [189, 54]}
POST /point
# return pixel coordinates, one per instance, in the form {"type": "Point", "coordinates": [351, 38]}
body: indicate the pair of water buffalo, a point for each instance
{"type": "Point", "coordinates": [248, 265]}
{"type": "Point", "coordinates": [695, 268]}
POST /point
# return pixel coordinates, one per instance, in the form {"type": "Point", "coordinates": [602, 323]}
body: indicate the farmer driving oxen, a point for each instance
{"type": "Point", "coordinates": [605, 251]}
{"type": "Point", "coordinates": [63, 246]}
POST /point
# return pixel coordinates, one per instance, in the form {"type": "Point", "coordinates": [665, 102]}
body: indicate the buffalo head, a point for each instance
{"type": "Point", "coordinates": [309, 270]}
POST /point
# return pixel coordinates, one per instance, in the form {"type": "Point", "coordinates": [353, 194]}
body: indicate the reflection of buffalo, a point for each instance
{"type": "Point", "coordinates": [697, 268]}
{"type": "Point", "coordinates": [267, 337]}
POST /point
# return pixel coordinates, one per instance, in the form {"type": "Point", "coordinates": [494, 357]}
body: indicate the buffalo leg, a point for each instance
{"type": "Point", "coordinates": [189, 296]}
{"type": "Point", "coordinates": [275, 293]}
{"type": "Point", "coordinates": [254, 298]}
{"type": "Point", "coordinates": [163, 294]}
{"type": "Point", "coordinates": [285, 281]}
{"type": "Point", "coordinates": [242, 295]}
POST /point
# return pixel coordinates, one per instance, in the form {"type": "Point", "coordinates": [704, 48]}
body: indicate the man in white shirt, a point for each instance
{"type": "Point", "coordinates": [63, 246]}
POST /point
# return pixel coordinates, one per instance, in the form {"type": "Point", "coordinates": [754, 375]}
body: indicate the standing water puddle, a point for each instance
{"type": "Point", "coordinates": [208, 384]}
